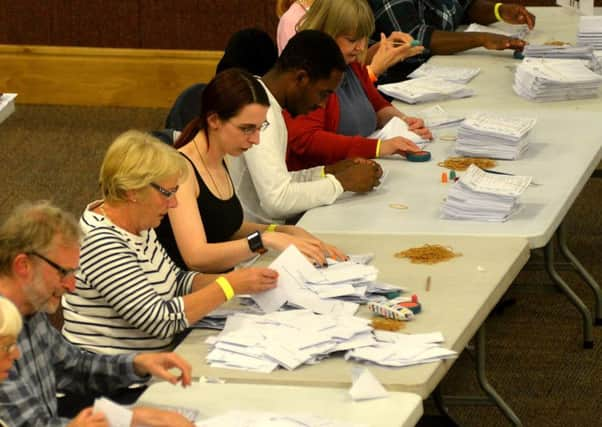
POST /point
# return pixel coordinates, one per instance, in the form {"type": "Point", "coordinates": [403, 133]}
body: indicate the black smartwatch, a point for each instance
{"type": "Point", "coordinates": [255, 243]}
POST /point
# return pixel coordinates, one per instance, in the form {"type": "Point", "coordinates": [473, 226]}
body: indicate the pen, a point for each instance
{"type": "Point", "coordinates": [428, 283]}
{"type": "Point", "coordinates": [413, 43]}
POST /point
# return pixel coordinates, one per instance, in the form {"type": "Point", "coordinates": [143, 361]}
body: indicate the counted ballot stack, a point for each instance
{"type": "Point", "coordinates": [550, 79]}
{"type": "Point", "coordinates": [483, 196]}
{"type": "Point", "coordinates": [424, 89]}
{"type": "Point", "coordinates": [493, 135]}
{"type": "Point", "coordinates": [590, 32]}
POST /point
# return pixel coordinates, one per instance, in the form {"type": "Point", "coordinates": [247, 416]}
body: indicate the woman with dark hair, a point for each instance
{"type": "Point", "coordinates": [206, 230]}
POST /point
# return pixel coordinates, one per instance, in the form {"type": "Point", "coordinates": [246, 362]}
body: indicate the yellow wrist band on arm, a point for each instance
{"type": "Point", "coordinates": [271, 227]}
{"type": "Point", "coordinates": [496, 12]}
{"type": "Point", "coordinates": [226, 287]}
{"type": "Point", "coordinates": [378, 149]}
{"type": "Point", "coordinates": [323, 171]}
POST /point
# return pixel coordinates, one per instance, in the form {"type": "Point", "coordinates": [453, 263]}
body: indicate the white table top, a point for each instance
{"type": "Point", "coordinates": [460, 298]}
{"type": "Point", "coordinates": [565, 150]}
{"type": "Point", "coordinates": [398, 409]}
{"type": "Point", "coordinates": [493, 85]}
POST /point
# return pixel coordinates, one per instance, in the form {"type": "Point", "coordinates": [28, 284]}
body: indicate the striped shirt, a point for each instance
{"type": "Point", "coordinates": [128, 292]}
{"type": "Point", "coordinates": [49, 364]}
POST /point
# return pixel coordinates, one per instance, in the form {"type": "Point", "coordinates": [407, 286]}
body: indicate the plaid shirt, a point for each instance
{"type": "Point", "coordinates": [49, 363]}
{"type": "Point", "coordinates": [419, 18]}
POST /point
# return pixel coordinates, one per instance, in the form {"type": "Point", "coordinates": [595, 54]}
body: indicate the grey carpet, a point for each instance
{"type": "Point", "coordinates": [535, 359]}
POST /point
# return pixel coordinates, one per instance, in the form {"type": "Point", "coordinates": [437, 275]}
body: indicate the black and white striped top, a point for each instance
{"type": "Point", "coordinates": [128, 292]}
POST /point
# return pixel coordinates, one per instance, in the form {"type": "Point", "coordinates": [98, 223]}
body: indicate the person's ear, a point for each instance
{"type": "Point", "coordinates": [132, 196]}
{"type": "Point", "coordinates": [213, 121]}
{"type": "Point", "coordinates": [22, 265]}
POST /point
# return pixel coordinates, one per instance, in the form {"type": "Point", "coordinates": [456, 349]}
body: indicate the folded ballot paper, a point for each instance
{"type": "Point", "coordinates": [544, 79]}
{"type": "Point", "coordinates": [436, 116]}
{"type": "Point", "coordinates": [424, 89]}
{"type": "Point", "coordinates": [590, 32]}
{"type": "Point", "coordinates": [397, 127]}
{"type": "Point", "coordinates": [494, 135]}
{"type": "Point", "coordinates": [483, 196]}
{"type": "Point", "coordinates": [501, 28]}
{"type": "Point", "coordinates": [460, 75]}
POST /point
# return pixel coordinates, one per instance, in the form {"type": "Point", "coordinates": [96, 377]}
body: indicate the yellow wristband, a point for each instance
{"type": "Point", "coordinates": [378, 149]}
{"type": "Point", "coordinates": [271, 227]}
{"type": "Point", "coordinates": [226, 287]}
{"type": "Point", "coordinates": [323, 173]}
{"type": "Point", "coordinates": [496, 12]}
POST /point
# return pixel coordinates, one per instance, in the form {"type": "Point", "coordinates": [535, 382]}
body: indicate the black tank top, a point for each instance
{"type": "Point", "coordinates": [221, 219]}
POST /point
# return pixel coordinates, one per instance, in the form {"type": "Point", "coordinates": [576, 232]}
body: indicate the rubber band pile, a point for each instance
{"type": "Point", "coordinates": [428, 254]}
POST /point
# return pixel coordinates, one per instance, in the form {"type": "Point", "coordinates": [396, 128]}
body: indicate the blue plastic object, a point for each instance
{"type": "Point", "coordinates": [419, 156]}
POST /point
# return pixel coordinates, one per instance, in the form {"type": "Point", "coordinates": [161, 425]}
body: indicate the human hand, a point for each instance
{"type": "Point", "coordinates": [392, 50]}
{"type": "Point", "coordinates": [339, 166]}
{"type": "Point", "coordinates": [313, 248]}
{"type": "Point", "coordinates": [517, 14]}
{"type": "Point", "coordinates": [361, 177]}
{"type": "Point", "coordinates": [153, 417]}
{"type": "Point", "coordinates": [159, 364]}
{"type": "Point", "coordinates": [86, 418]}
{"type": "Point", "coordinates": [397, 145]}
{"type": "Point", "coordinates": [498, 42]}
{"type": "Point", "coordinates": [417, 126]}
{"type": "Point", "coordinates": [252, 280]}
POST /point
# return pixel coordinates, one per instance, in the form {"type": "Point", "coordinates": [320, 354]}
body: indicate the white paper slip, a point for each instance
{"type": "Point", "coordinates": [481, 181]}
{"type": "Point", "coordinates": [508, 30]}
{"type": "Point", "coordinates": [437, 116]}
{"type": "Point", "coordinates": [116, 415]}
{"type": "Point", "coordinates": [452, 74]}
{"type": "Point", "coordinates": [397, 127]}
{"type": "Point", "coordinates": [425, 89]}
{"type": "Point", "coordinates": [365, 385]}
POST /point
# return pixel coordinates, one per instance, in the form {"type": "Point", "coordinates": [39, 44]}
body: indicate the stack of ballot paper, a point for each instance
{"type": "Point", "coordinates": [268, 419]}
{"type": "Point", "coordinates": [436, 116]}
{"type": "Point", "coordinates": [483, 196]}
{"type": "Point", "coordinates": [285, 338]}
{"type": "Point", "coordinates": [501, 28]}
{"type": "Point", "coordinates": [302, 285]}
{"type": "Point", "coordinates": [397, 350]}
{"type": "Point", "coordinates": [494, 135]}
{"type": "Point", "coordinates": [397, 127]}
{"type": "Point", "coordinates": [460, 75]}
{"type": "Point", "coordinates": [425, 89]}
{"type": "Point", "coordinates": [543, 79]}
{"type": "Point", "coordinates": [564, 51]}
{"type": "Point", "coordinates": [590, 32]}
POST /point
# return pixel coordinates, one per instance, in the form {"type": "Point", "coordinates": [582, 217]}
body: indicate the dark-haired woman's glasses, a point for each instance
{"type": "Point", "coordinates": [249, 130]}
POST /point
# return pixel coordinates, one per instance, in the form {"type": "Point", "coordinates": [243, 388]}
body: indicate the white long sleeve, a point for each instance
{"type": "Point", "coordinates": [270, 193]}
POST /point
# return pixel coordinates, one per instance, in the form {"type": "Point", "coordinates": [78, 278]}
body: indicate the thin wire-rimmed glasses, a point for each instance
{"type": "Point", "coordinates": [249, 130]}
{"type": "Point", "coordinates": [164, 191]}
{"type": "Point", "coordinates": [63, 272]}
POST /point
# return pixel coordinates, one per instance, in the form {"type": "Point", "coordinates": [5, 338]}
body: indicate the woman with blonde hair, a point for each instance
{"type": "Point", "coordinates": [129, 295]}
{"type": "Point", "coordinates": [341, 130]}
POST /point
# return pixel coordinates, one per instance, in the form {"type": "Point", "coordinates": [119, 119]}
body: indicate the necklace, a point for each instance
{"type": "Point", "coordinates": [219, 193]}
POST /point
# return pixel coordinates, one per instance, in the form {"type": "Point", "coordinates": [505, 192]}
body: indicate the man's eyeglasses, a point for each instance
{"type": "Point", "coordinates": [7, 348]}
{"type": "Point", "coordinates": [249, 130]}
{"type": "Point", "coordinates": [63, 272]}
{"type": "Point", "coordinates": [167, 193]}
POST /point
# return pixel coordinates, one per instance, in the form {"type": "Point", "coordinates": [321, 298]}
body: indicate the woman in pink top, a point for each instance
{"type": "Point", "coordinates": [290, 13]}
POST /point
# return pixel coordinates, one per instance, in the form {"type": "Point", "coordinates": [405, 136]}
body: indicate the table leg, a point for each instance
{"type": "Point", "coordinates": [484, 383]}
{"type": "Point", "coordinates": [591, 282]}
{"type": "Point", "coordinates": [440, 405]}
{"type": "Point", "coordinates": [588, 339]}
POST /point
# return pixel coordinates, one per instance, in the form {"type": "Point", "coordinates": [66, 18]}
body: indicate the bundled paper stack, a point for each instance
{"type": "Point", "coordinates": [590, 32]}
{"type": "Point", "coordinates": [564, 51]}
{"type": "Point", "coordinates": [483, 196]}
{"type": "Point", "coordinates": [493, 135]}
{"type": "Point", "coordinates": [397, 350]}
{"type": "Point", "coordinates": [541, 79]}
{"type": "Point", "coordinates": [436, 116]}
{"type": "Point", "coordinates": [425, 89]}
{"type": "Point", "coordinates": [460, 75]}
{"type": "Point", "coordinates": [501, 28]}
{"type": "Point", "coordinates": [285, 338]}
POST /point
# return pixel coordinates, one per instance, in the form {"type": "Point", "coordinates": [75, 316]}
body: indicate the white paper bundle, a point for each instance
{"type": "Point", "coordinates": [460, 75]}
{"type": "Point", "coordinates": [494, 135]}
{"type": "Point", "coordinates": [590, 32]}
{"type": "Point", "coordinates": [425, 89]}
{"type": "Point", "coordinates": [482, 196]}
{"type": "Point", "coordinates": [542, 79]}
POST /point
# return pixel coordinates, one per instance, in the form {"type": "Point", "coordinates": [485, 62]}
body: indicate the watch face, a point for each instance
{"type": "Point", "coordinates": [255, 243]}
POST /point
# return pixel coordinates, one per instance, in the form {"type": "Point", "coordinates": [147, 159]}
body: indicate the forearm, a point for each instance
{"type": "Point", "coordinates": [385, 114]}
{"type": "Point", "coordinates": [203, 301]}
{"type": "Point", "coordinates": [447, 42]}
{"type": "Point", "coordinates": [218, 257]}
{"type": "Point", "coordinates": [481, 12]}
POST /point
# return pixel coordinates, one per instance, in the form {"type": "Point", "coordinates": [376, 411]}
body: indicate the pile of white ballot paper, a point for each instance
{"type": "Point", "coordinates": [483, 196]}
{"type": "Point", "coordinates": [460, 75]}
{"type": "Point", "coordinates": [296, 337]}
{"type": "Point", "coordinates": [501, 28]}
{"type": "Point", "coordinates": [494, 135]}
{"type": "Point", "coordinates": [590, 32]}
{"type": "Point", "coordinates": [545, 79]}
{"type": "Point", "coordinates": [425, 89]}
{"type": "Point", "coordinates": [397, 127]}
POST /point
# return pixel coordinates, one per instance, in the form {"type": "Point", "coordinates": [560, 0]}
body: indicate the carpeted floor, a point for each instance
{"type": "Point", "coordinates": [535, 357]}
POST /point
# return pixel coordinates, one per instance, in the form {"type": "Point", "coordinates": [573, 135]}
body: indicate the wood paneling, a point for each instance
{"type": "Point", "coordinates": [96, 76]}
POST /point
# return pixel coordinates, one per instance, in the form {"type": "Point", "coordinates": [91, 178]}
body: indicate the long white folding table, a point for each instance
{"type": "Point", "coordinates": [462, 293]}
{"type": "Point", "coordinates": [396, 410]}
